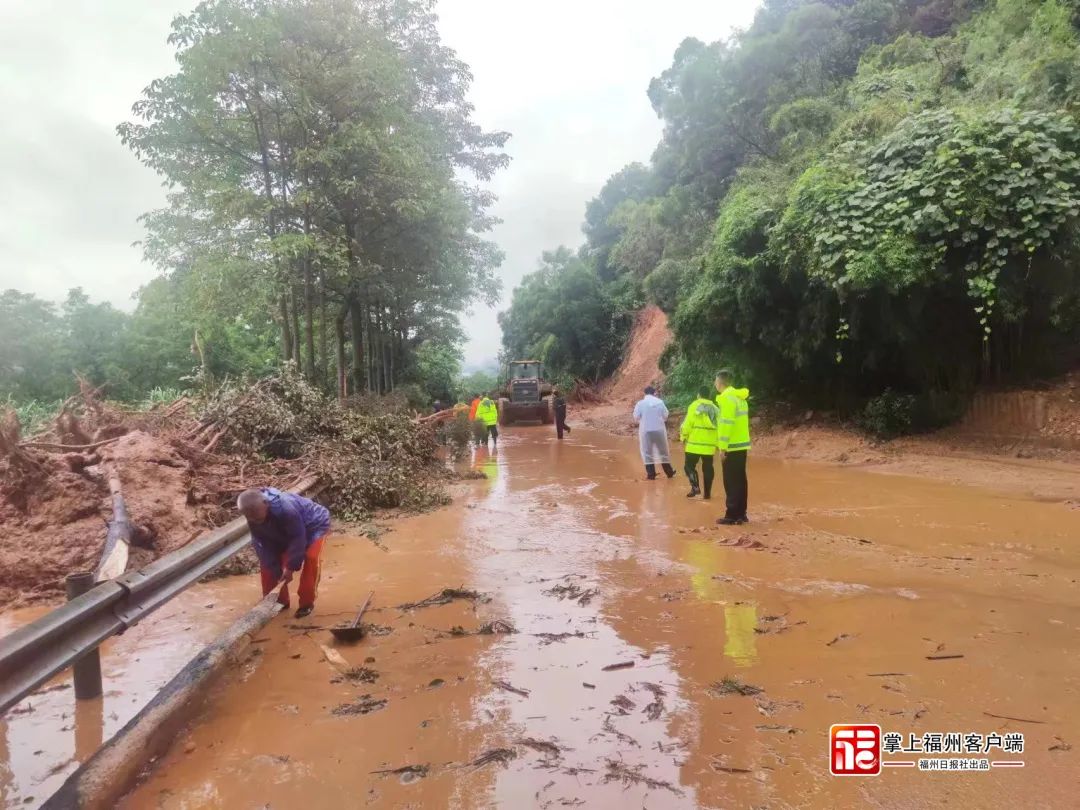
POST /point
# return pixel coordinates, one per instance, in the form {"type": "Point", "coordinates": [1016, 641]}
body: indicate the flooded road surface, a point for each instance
{"type": "Point", "coordinates": [46, 736]}
{"type": "Point", "coordinates": [660, 660]}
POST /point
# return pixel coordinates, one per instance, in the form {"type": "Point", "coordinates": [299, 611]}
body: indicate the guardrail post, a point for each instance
{"type": "Point", "coordinates": [87, 670]}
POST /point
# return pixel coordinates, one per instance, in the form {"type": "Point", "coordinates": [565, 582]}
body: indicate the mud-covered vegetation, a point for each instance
{"type": "Point", "coordinates": [182, 464]}
{"type": "Point", "coordinates": [851, 196]}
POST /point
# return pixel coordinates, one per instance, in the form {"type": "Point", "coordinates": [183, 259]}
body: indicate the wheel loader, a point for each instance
{"type": "Point", "coordinates": [525, 396]}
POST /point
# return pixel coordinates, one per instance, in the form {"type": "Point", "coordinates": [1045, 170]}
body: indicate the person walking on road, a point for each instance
{"type": "Point", "coordinates": [651, 415]}
{"type": "Point", "coordinates": [559, 401]}
{"type": "Point", "coordinates": [701, 434]}
{"type": "Point", "coordinates": [734, 446]}
{"type": "Point", "coordinates": [287, 533]}
{"type": "Point", "coordinates": [487, 412]}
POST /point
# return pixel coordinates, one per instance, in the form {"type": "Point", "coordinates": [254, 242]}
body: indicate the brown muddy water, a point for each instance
{"type": "Point", "coordinates": [829, 603]}
{"type": "Point", "coordinates": [47, 735]}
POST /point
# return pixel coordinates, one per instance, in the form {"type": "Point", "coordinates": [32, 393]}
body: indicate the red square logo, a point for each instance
{"type": "Point", "coordinates": [855, 750]}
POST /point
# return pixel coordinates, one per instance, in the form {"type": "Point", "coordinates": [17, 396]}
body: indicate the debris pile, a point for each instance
{"type": "Point", "coordinates": [179, 467]}
{"type": "Point", "coordinates": [365, 461]}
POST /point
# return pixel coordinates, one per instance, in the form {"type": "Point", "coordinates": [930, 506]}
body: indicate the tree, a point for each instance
{"type": "Point", "coordinates": [31, 363]}
{"type": "Point", "coordinates": [562, 316]}
{"type": "Point", "coordinates": [437, 368]}
{"type": "Point", "coordinates": [319, 154]}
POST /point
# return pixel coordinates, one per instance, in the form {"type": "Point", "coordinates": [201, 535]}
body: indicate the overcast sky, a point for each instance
{"type": "Point", "coordinates": [566, 77]}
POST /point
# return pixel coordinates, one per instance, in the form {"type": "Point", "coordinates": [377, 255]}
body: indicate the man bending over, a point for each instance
{"type": "Point", "coordinates": [287, 532]}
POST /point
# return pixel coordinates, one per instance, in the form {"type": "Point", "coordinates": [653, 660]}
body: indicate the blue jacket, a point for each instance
{"type": "Point", "coordinates": [293, 524]}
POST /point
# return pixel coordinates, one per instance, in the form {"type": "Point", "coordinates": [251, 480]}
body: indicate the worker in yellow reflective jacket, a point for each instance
{"type": "Point", "coordinates": [734, 446]}
{"type": "Point", "coordinates": [700, 433]}
{"type": "Point", "coordinates": [487, 412]}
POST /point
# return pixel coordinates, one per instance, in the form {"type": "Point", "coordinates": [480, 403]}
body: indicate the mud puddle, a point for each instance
{"type": "Point", "coordinates": [607, 645]}
{"type": "Point", "coordinates": [47, 735]}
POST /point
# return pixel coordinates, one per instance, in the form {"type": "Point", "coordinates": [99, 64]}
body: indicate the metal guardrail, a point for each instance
{"type": "Point", "coordinates": [37, 651]}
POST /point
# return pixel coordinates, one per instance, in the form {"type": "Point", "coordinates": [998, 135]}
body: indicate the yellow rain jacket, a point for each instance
{"type": "Point", "coordinates": [734, 419]}
{"type": "Point", "coordinates": [487, 412]}
{"type": "Point", "coordinates": [700, 429]}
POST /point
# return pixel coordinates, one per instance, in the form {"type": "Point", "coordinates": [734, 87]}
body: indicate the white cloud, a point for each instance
{"type": "Point", "coordinates": [568, 79]}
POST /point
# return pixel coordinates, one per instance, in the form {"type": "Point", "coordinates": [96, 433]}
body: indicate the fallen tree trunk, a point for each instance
{"type": "Point", "coordinates": [114, 557]}
{"type": "Point", "coordinates": [436, 417]}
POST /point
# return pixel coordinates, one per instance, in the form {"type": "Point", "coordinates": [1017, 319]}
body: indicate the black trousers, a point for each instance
{"type": "Point", "coordinates": [707, 472]}
{"type": "Point", "coordinates": [736, 487]}
{"type": "Point", "coordinates": [650, 470]}
{"type": "Point", "coordinates": [560, 423]}
{"type": "Point", "coordinates": [492, 432]}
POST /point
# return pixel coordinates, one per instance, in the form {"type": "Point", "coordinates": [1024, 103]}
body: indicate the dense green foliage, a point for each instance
{"type": "Point", "coordinates": [325, 207]}
{"type": "Point", "coordinates": [860, 195]}
{"type": "Point", "coordinates": [565, 316]}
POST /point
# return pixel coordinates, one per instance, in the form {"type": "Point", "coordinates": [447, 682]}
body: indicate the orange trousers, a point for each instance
{"type": "Point", "coordinates": [308, 587]}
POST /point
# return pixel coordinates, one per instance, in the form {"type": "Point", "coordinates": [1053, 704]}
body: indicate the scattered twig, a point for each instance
{"type": "Point", "coordinates": [1017, 719]}
{"type": "Point", "coordinates": [609, 727]}
{"type": "Point", "coordinates": [655, 709]}
{"type": "Point", "coordinates": [620, 772]}
{"type": "Point", "coordinates": [501, 756]}
{"type": "Point", "coordinates": [365, 704]}
{"type": "Point", "coordinates": [727, 769]}
{"type": "Point", "coordinates": [583, 596]}
{"type": "Point", "coordinates": [509, 687]}
{"type": "Point", "coordinates": [497, 627]}
{"type": "Point", "coordinates": [840, 637]}
{"type": "Point", "coordinates": [733, 686]}
{"type": "Point", "coordinates": [886, 674]}
{"type": "Point", "coordinates": [620, 665]}
{"type": "Point", "coordinates": [445, 597]}
{"type": "Point", "coordinates": [943, 657]}
{"type": "Point", "coordinates": [361, 674]}
{"type": "Point", "coordinates": [542, 746]}
{"type": "Point", "coordinates": [408, 773]}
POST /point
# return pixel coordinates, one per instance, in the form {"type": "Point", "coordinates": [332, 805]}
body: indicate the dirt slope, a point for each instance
{"type": "Point", "coordinates": [641, 364]}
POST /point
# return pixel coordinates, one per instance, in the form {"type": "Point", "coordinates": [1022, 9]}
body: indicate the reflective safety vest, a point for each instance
{"type": "Point", "coordinates": [487, 412]}
{"type": "Point", "coordinates": [734, 419]}
{"type": "Point", "coordinates": [700, 429]}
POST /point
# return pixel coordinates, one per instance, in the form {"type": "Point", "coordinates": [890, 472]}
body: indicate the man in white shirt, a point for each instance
{"type": "Point", "coordinates": [651, 415]}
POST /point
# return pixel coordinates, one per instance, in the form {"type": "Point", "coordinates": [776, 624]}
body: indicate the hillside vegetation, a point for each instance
{"type": "Point", "coordinates": [851, 197]}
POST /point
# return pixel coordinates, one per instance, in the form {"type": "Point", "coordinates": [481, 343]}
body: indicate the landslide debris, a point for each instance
{"type": "Point", "coordinates": [182, 464]}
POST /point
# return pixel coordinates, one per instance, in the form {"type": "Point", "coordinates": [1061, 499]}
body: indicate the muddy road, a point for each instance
{"type": "Point", "coordinates": [918, 605]}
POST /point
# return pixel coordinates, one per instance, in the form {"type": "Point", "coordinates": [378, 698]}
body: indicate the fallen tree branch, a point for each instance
{"type": "Point", "coordinates": [214, 441]}
{"type": "Point", "coordinates": [69, 448]}
{"type": "Point", "coordinates": [114, 557]}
